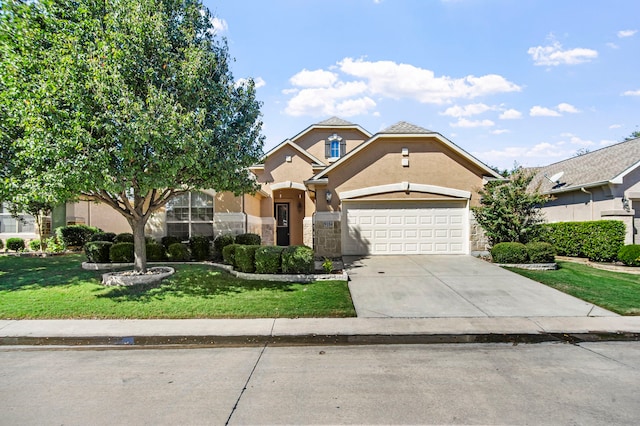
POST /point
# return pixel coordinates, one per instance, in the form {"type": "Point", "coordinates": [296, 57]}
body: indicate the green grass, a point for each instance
{"type": "Point", "coordinates": [615, 291]}
{"type": "Point", "coordinates": [57, 287]}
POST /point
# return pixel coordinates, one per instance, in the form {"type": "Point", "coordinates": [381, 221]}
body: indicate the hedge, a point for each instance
{"type": "Point", "coordinates": [76, 235]}
{"type": "Point", "coordinates": [297, 260]}
{"type": "Point", "coordinates": [630, 255]}
{"type": "Point", "coordinates": [248, 239]}
{"type": "Point", "coordinates": [245, 257]}
{"type": "Point", "coordinates": [121, 253]}
{"type": "Point", "coordinates": [1, 245]}
{"type": "Point", "coordinates": [155, 252]}
{"type": "Point", "coordinates": [167, 240]}
{"type": "Point", "coordinates": [229, 254]}
{"type": "Point", "coordinates": [598, 241]}
{"type": "Point", "coordinates": [98, 251]}
{"type": "Point", "coordinates": [34, 245]}
{"type": "Point", "coordinates": [200, 248]}
{"type": "Point", "coordinates": [221, 242]}
{"type": "Point", "coordinates": [16, 244]}
{"type": "Point", "coordinates": [125, 237]}
{"type": "Point", "coordinates": [540, 252]}
{"type": "Point", "coordinates": [178, 252]}
{"type": "Point", "coordinates": [268, 259]}
{"type": "Point", "coordinates": [509, 253]}
{"type": "Point", "coordinates": [103, 236]}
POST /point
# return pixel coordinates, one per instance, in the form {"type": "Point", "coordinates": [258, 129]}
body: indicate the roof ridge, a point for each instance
{"type": "Point", "coordinates": [405, 127]}
{"type": "Point", "coordinates": [335, 121]}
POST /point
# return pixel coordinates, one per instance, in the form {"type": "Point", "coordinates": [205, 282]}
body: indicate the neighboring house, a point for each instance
{"type": "Point", "coordinates": [602, 184]}
{"type": "Point", "coordinates": [339, 189]}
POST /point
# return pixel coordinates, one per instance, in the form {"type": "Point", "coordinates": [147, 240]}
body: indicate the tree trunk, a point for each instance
{"type": "Point", "coordinates": [140, 246]}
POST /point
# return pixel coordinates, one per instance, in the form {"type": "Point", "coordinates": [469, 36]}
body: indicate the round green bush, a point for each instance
{"type": "Point", "coordinates": [178, 252]}
{"type": "Point", "coordinates": [121, 253]}
{"type": "Point", "coordinates": [222, 241]}
{"type": "Point", "coordinates": [200, 248]}
{"type": "Point", "coordinates": [229, 254]}
{"type": "Point", "coordinates": [167, 240]}
{"type": "Point", "coordinates": [125, 237]}
{"type": "Point", "coordinates": [156, 252]}
{"type": "Point", "coordinates": [541, 252]}
{"type": "Point", "coordinates": [297, 260]}
{"type": "Point", "coordinates": [248, 239]}
{"type": "Point", "coordinates": [16, 244]}
{"type": "Point", "coordinates": [103, 236]}
{"type": "Point", "coordinates": [98, 251]}
{"type": "Point", "coordinates": [1, 244]}
{"type": "Point", "coordinates": [630, 255]}
{"type": "Point", "coordinates": [246, 258]}
{"type": "Point", "coordinates": [75, 235]}
{"type": "Point", "coordinates": [34, 245]}
{"type": "Point", "coordinates": [268, 259]}
{"type": "Point", "coordinates": [509, 253]}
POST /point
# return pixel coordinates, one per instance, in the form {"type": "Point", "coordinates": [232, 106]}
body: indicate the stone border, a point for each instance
{"type": "Point", "coordinates": [603, 266]}
{"type": "Point", "coordinates": [118, 279]}
{"type": "Point", "coordinates": [531, 266]}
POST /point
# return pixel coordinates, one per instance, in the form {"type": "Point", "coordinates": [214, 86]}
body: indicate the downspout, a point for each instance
{"type": "Point", "coordinates": [590, 199]}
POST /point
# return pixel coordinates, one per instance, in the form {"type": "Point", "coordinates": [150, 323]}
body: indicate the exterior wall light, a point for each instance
{"type": "Point", "coordinates": [328, 196]}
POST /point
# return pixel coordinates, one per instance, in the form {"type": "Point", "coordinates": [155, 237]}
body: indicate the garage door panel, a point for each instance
{"type": "Point", "coordinates": [405, 227]}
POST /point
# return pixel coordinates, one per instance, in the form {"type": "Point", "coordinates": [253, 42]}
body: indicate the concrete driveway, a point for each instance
{"type": "Point", "coordinates": [452, 286]}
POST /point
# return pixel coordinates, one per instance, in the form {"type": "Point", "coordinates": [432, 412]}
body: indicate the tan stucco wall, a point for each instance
{"type": "Point", "coordinates": [314, 141]}
{"type": "Point", "coordinates": [252, 205]}
{"type": "Point", "coordinates": [277, 169]}
{"type": "Point", "coordinates": [97, 214]}
{"type": "Point", "coordinates": [226, 202]}
{"type": "Point", "coordinates": [430, 163]}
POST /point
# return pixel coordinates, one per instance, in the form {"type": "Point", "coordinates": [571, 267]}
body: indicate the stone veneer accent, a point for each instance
{"type": "Point", "coordinates": [267, 230]}
{"type": "Point", "coordinates": [228, 223]}
{"type": "Point", "coordinates": [307, 231]}
{"type": "Point", "coordinates": [478, 241]}
{"type": "Point", "coordinates": [327, 232]}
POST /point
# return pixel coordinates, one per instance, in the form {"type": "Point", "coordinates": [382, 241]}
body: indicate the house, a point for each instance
{"type": "Point", "coordinates": [602, 184]}
{"type": "Point", "coordinates": [340, 189]}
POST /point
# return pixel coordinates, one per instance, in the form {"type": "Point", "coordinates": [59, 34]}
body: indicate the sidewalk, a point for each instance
{"type": "Point", "coordinates": [315, 331]}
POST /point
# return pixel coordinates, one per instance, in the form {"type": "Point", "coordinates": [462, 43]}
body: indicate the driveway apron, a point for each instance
{"type": "Point", "coordinates": [452, 286]}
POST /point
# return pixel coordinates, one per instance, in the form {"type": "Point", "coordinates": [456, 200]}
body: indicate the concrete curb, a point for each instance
{"type": "Point", "coordinates": [314, 331]}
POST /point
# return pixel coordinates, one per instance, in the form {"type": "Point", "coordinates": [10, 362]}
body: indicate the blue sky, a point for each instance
{"type": "Point", "coordinates": [520, 81]}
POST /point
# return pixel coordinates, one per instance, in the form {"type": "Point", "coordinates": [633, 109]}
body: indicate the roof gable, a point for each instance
{"type": "Point", "coordinates": [289, 143]}
{"type": "Point", "coordinates": [600, 167]}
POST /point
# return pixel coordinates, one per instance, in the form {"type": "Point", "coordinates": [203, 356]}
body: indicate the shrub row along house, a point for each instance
{"type": "Point", "coordinates": [342, 190]}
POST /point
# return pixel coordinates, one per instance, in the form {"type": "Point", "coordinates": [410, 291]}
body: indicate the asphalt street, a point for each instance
{"type": "Point", "coordinates": [547, 383]}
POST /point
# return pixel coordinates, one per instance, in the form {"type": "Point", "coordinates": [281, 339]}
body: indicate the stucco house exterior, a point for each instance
{"type": "Point", "coordinates": [340, 189]}
{"type": "Point", "coordinates": [602, 184]}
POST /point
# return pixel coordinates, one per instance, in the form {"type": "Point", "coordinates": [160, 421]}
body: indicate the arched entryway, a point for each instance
{"type": "Point", "coordinates": [289, 206]}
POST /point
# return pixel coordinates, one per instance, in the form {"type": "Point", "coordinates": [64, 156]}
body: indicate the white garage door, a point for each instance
{"type": "Point", "coordinates": [432, 227]}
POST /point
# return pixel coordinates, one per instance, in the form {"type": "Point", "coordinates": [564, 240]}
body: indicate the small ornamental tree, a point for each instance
{"type": "Point", "coordinates": [509, 211]}
{"type": "Point", "coordinates": [124, 102]}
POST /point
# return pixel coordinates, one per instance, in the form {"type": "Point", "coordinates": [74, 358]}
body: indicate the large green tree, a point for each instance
{"type": "Point", "coordinates": [509, 211]}
{"type": "Point", "coordinates": [125, 102]}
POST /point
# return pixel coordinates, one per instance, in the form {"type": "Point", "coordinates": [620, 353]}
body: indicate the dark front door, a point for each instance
{"type": "Point", "coordinates": [282, 223]}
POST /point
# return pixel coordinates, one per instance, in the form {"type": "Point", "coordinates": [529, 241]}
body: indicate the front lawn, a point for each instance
{"type": "Point", "coordinates": [57, 287]}
{"type": "Point", "coordinates": [615, 291]}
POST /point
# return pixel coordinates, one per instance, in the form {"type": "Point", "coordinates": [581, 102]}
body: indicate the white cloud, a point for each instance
{"type": "Point", "coordinates": [615, 126]}
{"type": "Point", "coordinates": [510, 114]}
{"type": "Point", "coordinates": [219, 25]}
{"type": "Point", "coordinates": [553, 55]}
{"type": "Point", "coordinates": [317, 78]}
{"type": "Point", "coordinates": [352, 85]}
{"type": "Point", "coordinates": [500, 131]}
{"type": "Point", "coordinates": [613, 45]}
{"type": "Point", "coordinates": [626, 33]}
{"type": "Point", "coordinates": [467, 110]}
{"type": "Point", "coordinates": [538, 111]}
{"type": "Point", "coordinates": [631, 93]}
{"type": "Point", "coordinates": [258, 82]}
{"type": "Point", "coordinates": [463, 122]}
{"type": "Point", "coordinates": [564, 107]}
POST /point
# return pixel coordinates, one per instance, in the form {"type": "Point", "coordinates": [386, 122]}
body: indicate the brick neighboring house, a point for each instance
{"type": "Point", "coordinates": [602, 184]}
{"type": "Point", "coordinates": [340, 189]}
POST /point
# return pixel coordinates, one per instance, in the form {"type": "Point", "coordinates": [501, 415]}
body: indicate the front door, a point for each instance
{"type": "Point", "coordinates": [282, 223]}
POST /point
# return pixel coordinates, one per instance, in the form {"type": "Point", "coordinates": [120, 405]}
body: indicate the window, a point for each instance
{"type": "Point", "coordinates": [335, 147]}
{"type": "Point", "coordinates": [23, 224]}
{"type": "Point", "coordinates": [189, 215]}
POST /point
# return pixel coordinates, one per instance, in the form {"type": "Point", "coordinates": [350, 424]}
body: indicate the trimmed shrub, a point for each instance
{"type": "Point", "coordinates": [200, 248]}
{"type": "Point", "coordinates": [246, 258]}
{"type": "Point", "coordinates": [121, 253]}
{"type": "Point", "coordinates": [599, 240]}
{"type": "Point", "coordinates": [16, 244]}
{"type": "Point", "coordinates": [297, 260]}
{"type": "Point", "coordinates": [509, 253]}
{"type": "Point", "coordinates": [1, 244]}
{"type": "Point", "coordinates": [166, 241]}
{"type": "Point", "coordinates": [75, 235]}
{"type": "Point", "coordinates": [248, 239]}
{"type": "Point", "coordinates": [229, 254]}
{"type": "Point", "coordinates": [54, 245]}
{"type": "Point", "coordinates": [630, 255]}
{"type": "Point", "coordinates": [125, 237]}
{"type": "Point", "coordinates": [98, 251]}
{"type": "Point", "coordinates": [34, 245]}
{"type": "Point", "coordinates": [268, 259]}
{"type": "Point", "coordinates": [222, 241]}
{"type": "Point", "coordinates": [178, 252]}
{"type": "Point", "coordinates": [103, 236]}
{"type": "Point", "coordinates": [540, 252]}
{"type": "Point", "coordinates": [155, 252]}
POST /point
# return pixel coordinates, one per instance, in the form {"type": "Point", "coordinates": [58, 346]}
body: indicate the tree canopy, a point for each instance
{"type": "Point", "coordinates": [126, 102]}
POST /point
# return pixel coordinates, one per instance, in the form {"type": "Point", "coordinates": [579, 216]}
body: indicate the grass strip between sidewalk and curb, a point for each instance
{"type": "Point", "coordinates": [58, 288]}
{"type": "Point", "coordinates": [615, 291]}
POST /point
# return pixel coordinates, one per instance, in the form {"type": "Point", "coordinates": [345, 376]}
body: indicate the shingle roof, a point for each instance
{"type": "Point", "coordinates": [335, 121]}
{"type": "Point", "coordinates": [598, 166]}
{"type": "Point", "coordinates": [404, 127]}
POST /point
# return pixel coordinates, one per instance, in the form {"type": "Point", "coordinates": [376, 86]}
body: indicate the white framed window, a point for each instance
{"type": "Point", "coordinates": [335, 147]}
{"type": "Point", "coordinates": [23, 224]}
{"type": "Point", "coordinates": [190, 215]}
